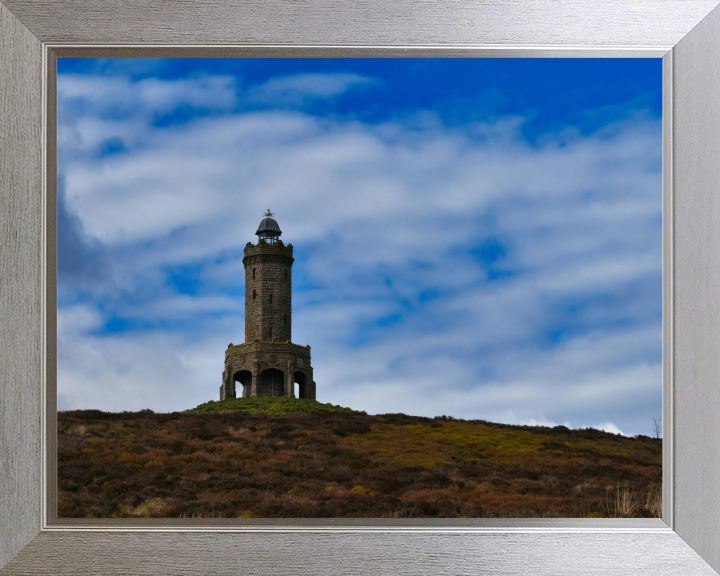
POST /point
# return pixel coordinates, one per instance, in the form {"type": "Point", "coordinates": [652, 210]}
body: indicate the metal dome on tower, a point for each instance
{"type": "Point", "coordinates": [269, 229]}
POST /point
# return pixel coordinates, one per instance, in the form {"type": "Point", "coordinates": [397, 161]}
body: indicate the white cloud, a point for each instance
{"type": "Point", "coordinates": [158, 370]}
{"type": "Point", "coordinates": [298, 89]}
{"type": "Point", "coordinates": [74, 320]}
{"type": "Point", "coordinates": [102, 94]}
{"type": "Point", "coordinates": [610, 427]}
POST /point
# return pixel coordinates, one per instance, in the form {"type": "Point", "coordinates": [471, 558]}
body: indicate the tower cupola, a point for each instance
{"type": "Point", "coordinates": [269, 229]}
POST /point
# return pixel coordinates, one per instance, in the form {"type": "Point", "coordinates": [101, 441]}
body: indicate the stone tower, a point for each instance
{"type": "Point", "coordinates": [268, 363]}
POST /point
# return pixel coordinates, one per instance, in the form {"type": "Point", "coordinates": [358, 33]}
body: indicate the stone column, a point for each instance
{"type": "Point", "coordinates": [227, 390]}
{"type": "Point", "coordinates": [254, 382]}
{"type": "Point", "coordinates": [289, 381]}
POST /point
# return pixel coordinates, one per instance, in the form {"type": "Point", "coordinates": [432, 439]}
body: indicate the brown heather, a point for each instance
{"type": "Point", "coordinates": [335, 465]}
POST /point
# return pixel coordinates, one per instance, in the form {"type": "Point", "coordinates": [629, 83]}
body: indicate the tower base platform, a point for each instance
{"type": "Point", "coordinates": [267, 369]}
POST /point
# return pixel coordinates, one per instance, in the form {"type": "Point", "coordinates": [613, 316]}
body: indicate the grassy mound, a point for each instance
{"type": "Point", "coordinates": [268, 405]}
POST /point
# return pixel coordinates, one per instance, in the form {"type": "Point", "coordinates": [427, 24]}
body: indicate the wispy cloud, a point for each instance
{"type": "Point", "coordinates": [300, 89]}
{"type": "Point", "coordinates": [121, 96]}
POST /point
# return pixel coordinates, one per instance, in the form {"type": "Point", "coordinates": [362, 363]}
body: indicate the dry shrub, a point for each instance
{"type": "Point", "coordinates": [653, 501]}
{"type": "Point", "coordinates": [403, 511]}
{"type": "Point", "coordinates": [628, 501]}
{"type": "Point", "coordinates": [622, 501]}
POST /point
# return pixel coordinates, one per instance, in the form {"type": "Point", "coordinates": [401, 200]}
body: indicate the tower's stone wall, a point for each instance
{"type": "Point", "coordinates": [268, 292]}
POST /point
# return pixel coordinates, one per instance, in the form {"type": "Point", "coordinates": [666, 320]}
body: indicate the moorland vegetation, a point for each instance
{"type": "Point", "coordinates": [284, 458]}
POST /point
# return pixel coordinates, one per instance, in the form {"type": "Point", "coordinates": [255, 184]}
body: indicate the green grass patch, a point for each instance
{"type": "Point", "coordinates": [268, 405]}
{"type": "Point", "coordinates": [423, 445]}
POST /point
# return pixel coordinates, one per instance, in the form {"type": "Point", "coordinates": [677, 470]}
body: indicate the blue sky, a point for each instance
{"type": "Point", "coordinates": [473, 237]}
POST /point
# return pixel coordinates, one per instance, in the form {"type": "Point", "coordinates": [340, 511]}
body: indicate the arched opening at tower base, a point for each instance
{"type": "Point", "coordinates": [301, 380]}
{"type": "Point", "coordinates": [272, 383]}
{"type": "Point", "coordinates": [244, 377]}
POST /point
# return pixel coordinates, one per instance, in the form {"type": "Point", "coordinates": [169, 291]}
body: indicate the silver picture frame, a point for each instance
{"type": "Point", "coordinates": [684, 33]}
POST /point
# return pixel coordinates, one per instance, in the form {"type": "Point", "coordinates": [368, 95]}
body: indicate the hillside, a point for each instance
{"type": "Point", "coordinates": [256, 461]}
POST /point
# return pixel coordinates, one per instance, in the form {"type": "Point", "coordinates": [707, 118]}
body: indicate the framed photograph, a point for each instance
{"type": "Point", "coordinates": [476, 263]}
{"type": "Point", "coordinates": [684, 35]}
